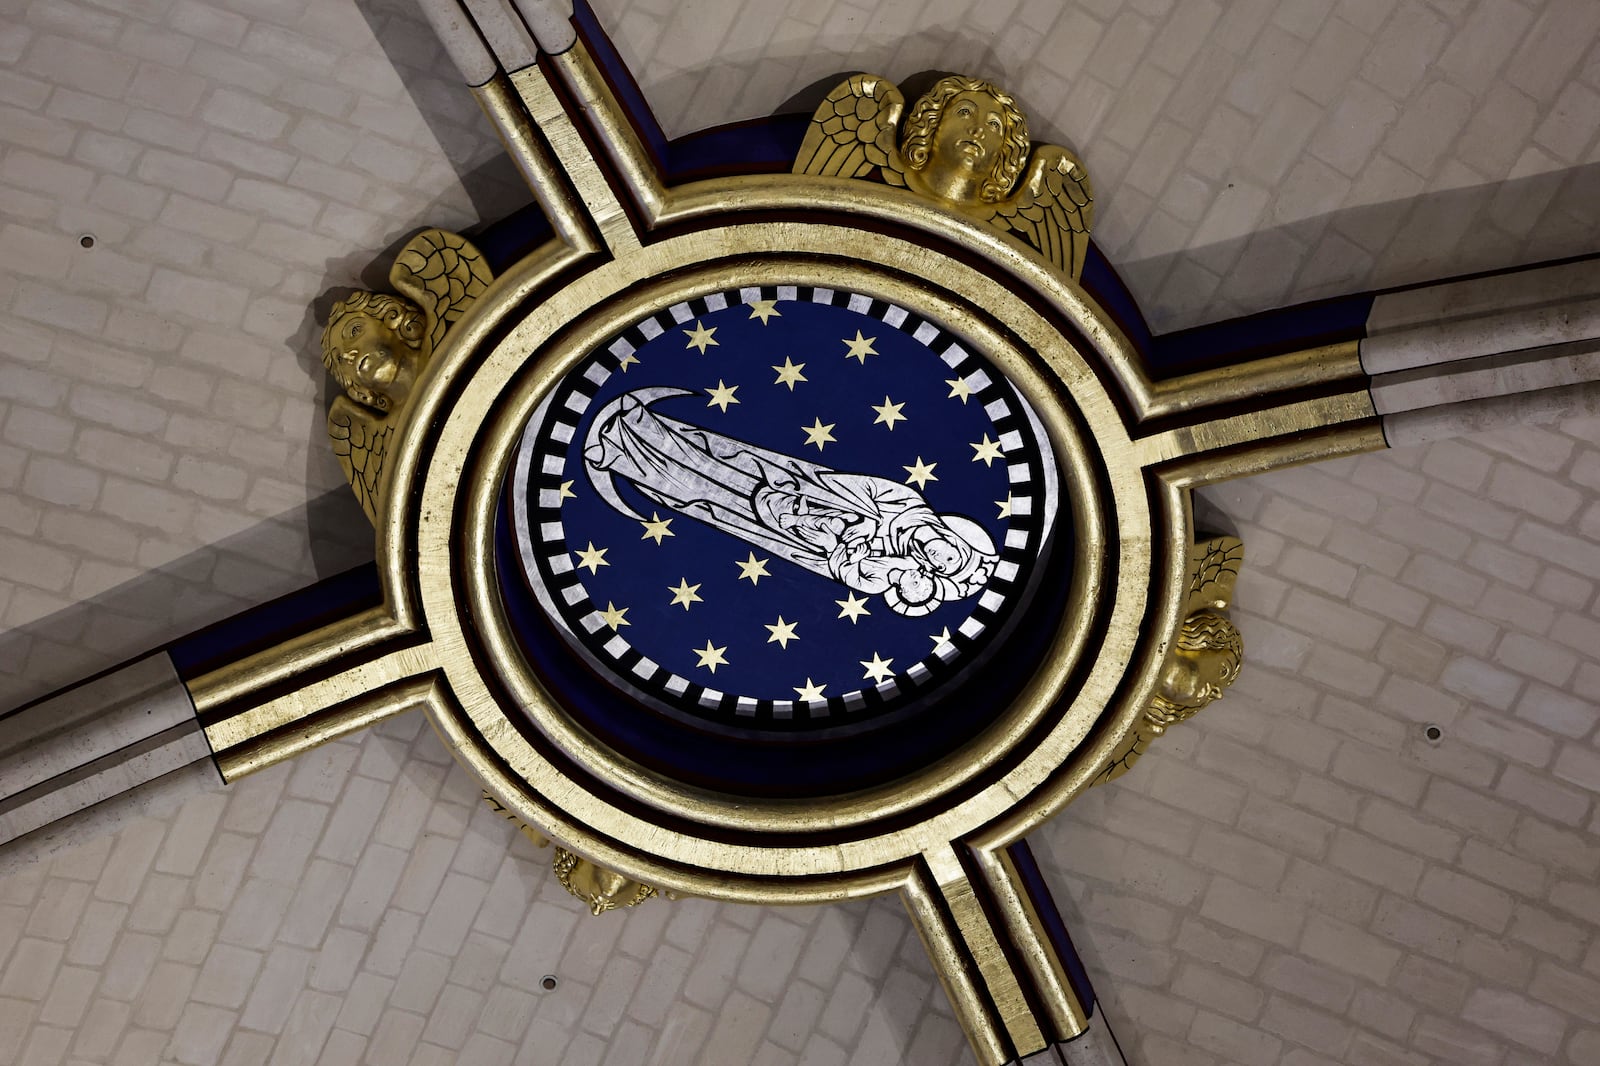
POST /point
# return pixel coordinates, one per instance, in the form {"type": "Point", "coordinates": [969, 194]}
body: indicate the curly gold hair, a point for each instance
{"type": "Point", "coordinates": [403, 317]}
{"type": "Point", "coordinates": [1209, 631]}
{"type": "Point", "coordinates": [925, 117]}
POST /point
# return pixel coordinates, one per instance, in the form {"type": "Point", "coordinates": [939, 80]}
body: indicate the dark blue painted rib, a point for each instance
{"type": "Point", "coordinates": [513, 238]}
{"type": "Point", "coordinates": [1101, 281]}
{"type": "Point", "coordinates": [620, 78]}
{"type": "Point", "coordinates": [1055, 927]}
{"type": "Point", "coordinates": [763, 146]}
{"type": "Point", "coordinates": [272, 623]}
{"type": "Point", "coordinates": [1286, 329]}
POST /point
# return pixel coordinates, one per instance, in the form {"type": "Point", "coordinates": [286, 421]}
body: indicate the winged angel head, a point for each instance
{"type": "Point", "coordinates": [376, 346]}
{"type": "Point", "coordinates": [967, 140]}
{"type": "Point", "coordinates": [965, 145]}
{"type": "Point", "coordinates": [373, 348]}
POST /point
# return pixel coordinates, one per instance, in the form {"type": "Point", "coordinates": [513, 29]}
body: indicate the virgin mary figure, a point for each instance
{"type": "Point", "coordinates": [869, 533]}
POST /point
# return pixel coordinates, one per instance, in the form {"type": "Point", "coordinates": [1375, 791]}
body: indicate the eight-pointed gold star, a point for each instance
{"type": "Point", "coordinates": [700, 337]}
{"type": "Point", "coordinates": [566, 492]}
{"type": "Point", "coordinates": [819, 434]}
{"type": "Point", "coordinates": [988, 450]}
{"type": "Point", "coordinates": [614, 616]}
{"type": "Point", "coordinates": [1005, 506]}
{"type": "Point", "coordinates": [810, 693]}
{"type": "Point", "coordinates": [752, 568]}
{"type": "Point", "coordinates": [626, 361]}
{"type": "Point", "coordinates": [920, 474]}
{"type": "Point", "coordinates": [722, 396]}
{"type": "Point", "coordinates": [711, 657]}
{"type": "Point", "coordinates": [860, 348]}
{"type": "Point", "coordinates": [851, 607]}
{"type": "Point", "coordinates": [656, 528]}
{"type": "Point", "coordinates": [592, 557]}
{"type": "Point", "coordinates": [684, 593]}
{"type": "Point", "coordinates": [789, 373]}
{"type": "Point", "coordinates": [878, 669]}
{"type": "Point", "coordinates": [958, 389]}
{"type": "Point", "coordinates": [888, 413]}
{"type": "Point", "coordinates": [764, 309]}
{"type": "Point", "coordinates": [782, 633]}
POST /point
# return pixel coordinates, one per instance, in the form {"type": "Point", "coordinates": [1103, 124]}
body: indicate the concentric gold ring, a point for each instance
{"type": "Point", "coordinates": [559, 777]}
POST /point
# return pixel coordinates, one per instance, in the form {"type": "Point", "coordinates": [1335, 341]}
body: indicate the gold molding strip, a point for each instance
{"type": "Point", "coordinates": [566, 142]}
{"type": "Point", "coordinates": [504, 104]}
{"type": "Point", "coordinates": [945, 947]}
{"type": "Point", "coordinates": [1266, 424]}
{"type": "Point", "coordinates": [1263, 456]}
{"type": "Point", "coordinates": [1022, 923]}
{"type": "Point", "coordinates": [249, 753]}
{"type": "Point", "coordinates": [359, 694]}
{"type": "Point", "coordinates": [611, 127]}
{"type": "Point", "coordinates": [277, 665]}
{"type": "Point", "coordinates": [1288, 372]}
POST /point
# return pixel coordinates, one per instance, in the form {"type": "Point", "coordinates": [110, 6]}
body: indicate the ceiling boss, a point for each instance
{"type": "Point", "coordinates": [794, 538]}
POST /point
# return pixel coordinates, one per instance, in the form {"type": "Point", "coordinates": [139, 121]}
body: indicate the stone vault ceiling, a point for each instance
{"type": "Point", "coordinates": [1298, 877]}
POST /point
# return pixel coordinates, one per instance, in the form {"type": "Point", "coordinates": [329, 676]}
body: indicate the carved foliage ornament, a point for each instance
{"type": "Point", "coordinates": [965, 145]}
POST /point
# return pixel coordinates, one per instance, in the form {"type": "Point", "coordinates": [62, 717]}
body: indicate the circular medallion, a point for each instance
{"type": "Point", "coordinates": [783, 510]}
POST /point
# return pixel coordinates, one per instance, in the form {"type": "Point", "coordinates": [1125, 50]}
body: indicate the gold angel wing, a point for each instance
{"type": "Point", "coordinates": [1213, 569]}
{"type": "Point", "coordinates": [854, 131]}
{"type": "Point", "coordinates": [1052, 208]}
{"type": "Point", "coordinates": [360, 436]}
{"type": "Point", "coordinates": [442, 273]}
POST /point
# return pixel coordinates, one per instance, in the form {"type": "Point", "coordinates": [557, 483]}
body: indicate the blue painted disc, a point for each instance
{"type": "Point", "coordinates": [786, 510]}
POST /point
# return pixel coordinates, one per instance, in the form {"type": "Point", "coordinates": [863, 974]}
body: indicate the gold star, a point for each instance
{"type": "Point", "coordinates": [789, 373]}
{"type": "Point", "coordinates": [878, 669]}
{"type": "Point", "coordinates": [592, 557]}
{"type": "Point", "coordinates": [764, 309]}
{"type": "Point", "coordinates": [988, 450]}
{"type": "Point", "coordinates": [684, 594]}
{"type": "Point", "coordinates": [711, 657]}
{"type": "Point", "coordinates": [752, 568]}
{"type": "Point", "coordinates": [818, 434]}
{"type": "Point", "coordinates": [700, 337]}
{"type": "Point", "coordinates": [782, 633]}
{"type": "Point", "coordinates": [860, 348]}
{"type": "Point", "coordinates": [889, 413]}
{"type": "Point", "coordinates": [656, 528]}
{"type": "Point", "coordinates": [810, 693]}
{"type": "Point", "coordinates": [958, 389]}
{"type": "Point", "coordinates": [921, 474]}
{"type": "Point", "coordinates": [566, 492]}
{"type": "Point", "coordinates": [852, 608]}
{"type": "Point", "coordinates": [1005, 506]}
{"type": "Point", "coordinates": [722, 396]}
{"type": "Point", "coordinates": [626, 361]}
{"type": "Point", "coordinates": [941, 638]}
{"type": "Point", "coordinates": [613, 615]}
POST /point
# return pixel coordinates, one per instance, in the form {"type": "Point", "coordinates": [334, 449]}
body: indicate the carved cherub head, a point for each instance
{"type": "Point", "coordinates": [967, 139]}
{"type": "Point", "coordinates": [373, 348]}
{"type": "Point", "coordinates": [1204, 661]}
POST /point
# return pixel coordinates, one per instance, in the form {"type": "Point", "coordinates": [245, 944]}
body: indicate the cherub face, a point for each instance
{"type": "Point", "coordinates": [971, 131]}
{"type": "Point", "coordinates": [374, 360]}
{"type": "Point", "coordinates": [1192, 679]}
